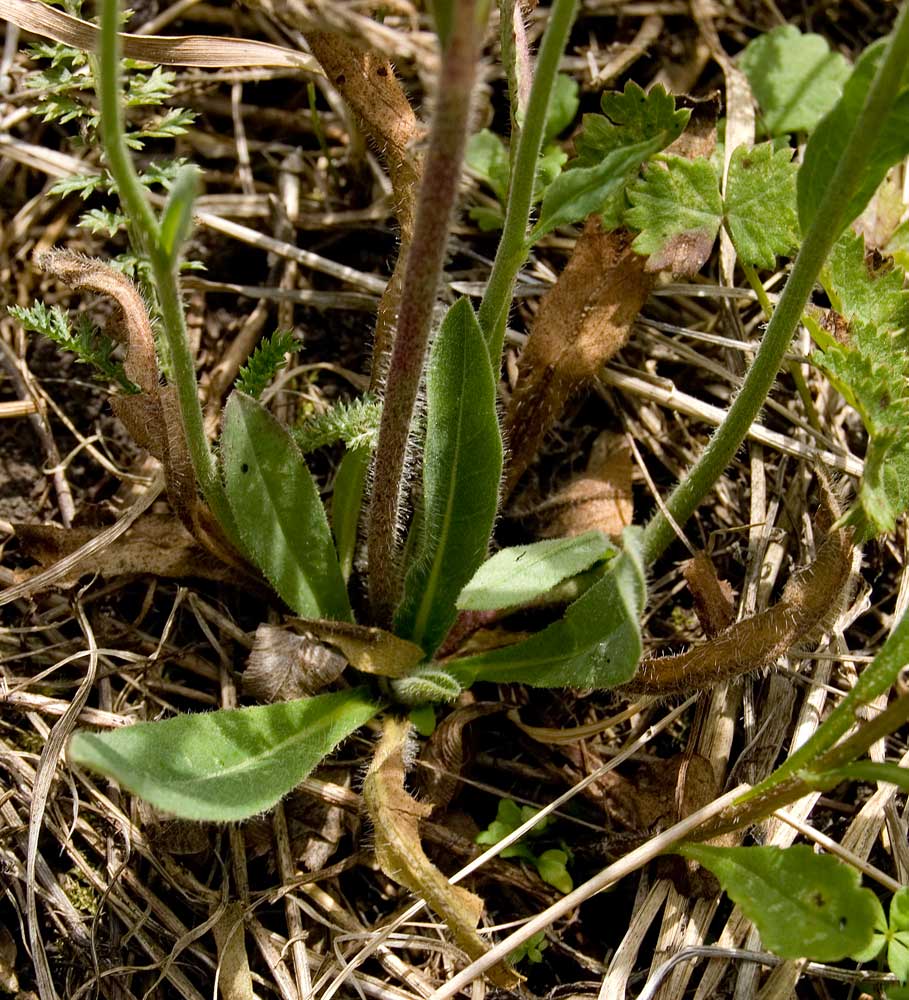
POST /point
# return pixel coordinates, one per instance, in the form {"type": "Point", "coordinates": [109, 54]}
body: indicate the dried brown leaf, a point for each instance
{"type": "Point", "coordinates": [713, 597]}
{"type": "Point", "coordinates": [396, 817]}
{"type": "Point", "coordinates": [283, 665]}
{"type": "Point", "coordinates": [598, 498]}
{"type": "Point", "coordinates": [177, 50]}
{"type": "Point", "coordinates": [443, 753]}
{"type": "Point", "coordinates": [9, 982]}
{"type": "Point", "coordinates": [581, 323]}
{"type": "Point", "coordinates": [809, 602]}
{"type": "Point", "coordinates": [234, 978]}
{"type": "Point", "coordinates": [155, 545]}
{"type": "Point", "coordinates": [370, 649]}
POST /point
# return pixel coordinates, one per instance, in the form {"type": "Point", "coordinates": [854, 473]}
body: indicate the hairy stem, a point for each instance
{"type": "Point", "coordinates": [823, 233]}
{"type": "Point", "coordinates": [146, 225]}
{"type": "Point", "coordinates": [438, 193]}
{"type": "Point", "coordinates": [512, 251]}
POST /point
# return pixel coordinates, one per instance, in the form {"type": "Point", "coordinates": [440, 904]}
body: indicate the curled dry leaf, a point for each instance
{"type": "Point", "coordinates": [154, 546]}
{"type": "Point", "coordinates": [283, 665]}
{"type": "Point", "coordinates": [581, 323]}
{"type": "Point", "coordinates": [396, 816]}
{"type": "Point", "coordinates": [370, 649]}
{"type": "Point", "coordinates": [367, 82]}
{"type": "Point", "coordinates": [235, 978]}
{"type": "Point", "coordinates": [810, 601]}
{"type": "Point", "coordinates": [713, 597]}
{"type": "Point", "coordinates": [599, 498]}
{"type": "Point", "coordinates": [443, 755]}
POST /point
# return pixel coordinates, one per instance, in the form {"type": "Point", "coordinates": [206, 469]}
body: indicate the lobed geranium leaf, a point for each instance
{"type": "Point", "coordinates": [227, 765]}
{"type": "Point", "coordinates": [578, 192]}
{"type": "Point", "coordinates": [279, 512]}
{"type": "Point", "coordinates": [794, 77]}
{"type": "Point", "coordinates": [596, 644]}
{"type": "Point", "coordinates": [462, 466]}
{"type": "Point", "coordinates": [870, 368]}
{"type": "Point", "coordinates": [828, 141]}
{"type": "Point", "coordinates": [518, 574]}
{"type": "Point", "coordinates": [677, 200]}
{"type": "Point", "coordinates": [760, 207]}
{"type": "Point", "coordinates": [804, 905]}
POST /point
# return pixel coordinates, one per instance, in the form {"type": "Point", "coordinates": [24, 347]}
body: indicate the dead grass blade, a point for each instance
{"type": "Point", "coordinates": [176, 50]}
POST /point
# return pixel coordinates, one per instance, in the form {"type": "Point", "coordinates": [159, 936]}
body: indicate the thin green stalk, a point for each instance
{"type": "Point", "coordinates": [423, 272]}
{"type": "Point", "coordinates": [137, 207]}
{"type": "Point", "coordinates": [823, 233]}
{"type": "Point", "coordinates": [512, 251]}
{"type": "Point", "coordinates": [795, 371]}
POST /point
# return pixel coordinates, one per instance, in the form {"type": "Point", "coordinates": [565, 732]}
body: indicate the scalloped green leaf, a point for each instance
{"type": "Point", "coordinates": [226, 765]}
{"type": "Point", "coordinates": [518, 574]}
{"type": "Point", "coordinates": [804, 905]}
{"type": "Point", "coordinates": [760, 207]}
{"type": "Point", "coordinates": [279, 512]}
{"type": "Point", "coordinates": [794, 77]}
{"type": "Point", "coordinates": [596, 644]}
{"type": "Point", "coordinates": [462, 466]}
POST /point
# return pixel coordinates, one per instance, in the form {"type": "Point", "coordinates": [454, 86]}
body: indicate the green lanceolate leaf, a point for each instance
{"type": "Point", "coordinates": [279, 512]}
{"type": "Point", "coordinates": [596, 644]}
{"type": "Point", "coordinates": [795, 78]}
{"type": "Point", "coordinates": [574, 194]}
{"type": "Point", "coordinates": [827, 143]}
{"type": "Point", "coordinates": [516, 575]}
{"type": "Point", "coordinates": [760, 204]}
{"type": "Point", "coordinates": [177, 217]}
{"type": "Point", "coordinates": [226, 765]}
{"type": "Point", "coordinates": [462, 465]}
{"type": "Point", "coordinates": [804, 905]}
{"type": "Point", "coordinates": [863, 770]}
{"type": "Point", "coordinates": [346, 503]}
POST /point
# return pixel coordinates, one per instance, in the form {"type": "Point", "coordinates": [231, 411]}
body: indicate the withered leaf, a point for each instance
{"type": "Point", "coordinates": [580, 324]}
{"type": "Point", "coordinates": [370, 649]}
{"type": "Point", "coordinates": [712, 596]}
{"type": "Point", "coordinates": [283, 665]}
{"type": "Point", "coordinates": [396, 816]}
{"type": "Point", "coordinates": [598, 498]}
{"type": "Point", "coordinates": [155, 545]}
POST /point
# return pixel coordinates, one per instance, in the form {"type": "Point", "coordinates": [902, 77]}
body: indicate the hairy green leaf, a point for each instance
{"type": "Point", "coordinates": [596, 644]}
{"type": "Point", "coordinates": [265, 362]}
{"type": "Point", "coordinates": [226, 765]}
{"type": "Point", "coordinates": [865, 770]}
{"type": "Point", "coordinates": [518, 574]}
{"type": "Point", "coordinates": [828, 141]}
{"type": "Point", "coordinates": [177, 216]}
{"type": "Point", "coordinates": [677, 200]}
{"type": "Point", "coordinates": [760, 204]}
{"type": "Point", "coordinates": [355, 423]}
{"type": "Point", "coordinates": [871, 370]}
{"type": "Point", "coordinates": [462, 465]}
{"type": "Point", "coordinates": [804, 905]}
{"type": "Point", "coordinates": [346, 503]}
{"type": "Point", "coordinates": [279, 512]}
{"type": "Point", "coordinates": [795, 78]}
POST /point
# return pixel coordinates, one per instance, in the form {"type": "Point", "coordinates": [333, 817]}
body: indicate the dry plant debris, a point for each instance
{"type": "Point", "coordinates": [330, 99]}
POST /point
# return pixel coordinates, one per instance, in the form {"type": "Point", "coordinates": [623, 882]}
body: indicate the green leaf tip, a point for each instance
{"type": "Point", "coordinates": [225, 765]}
{"type": "Point", "coordinates": [516, 575]}
{"type": "Point", "coordinates": [804, 905]}
{"type": "Point", "coordinates": [279, 512]}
